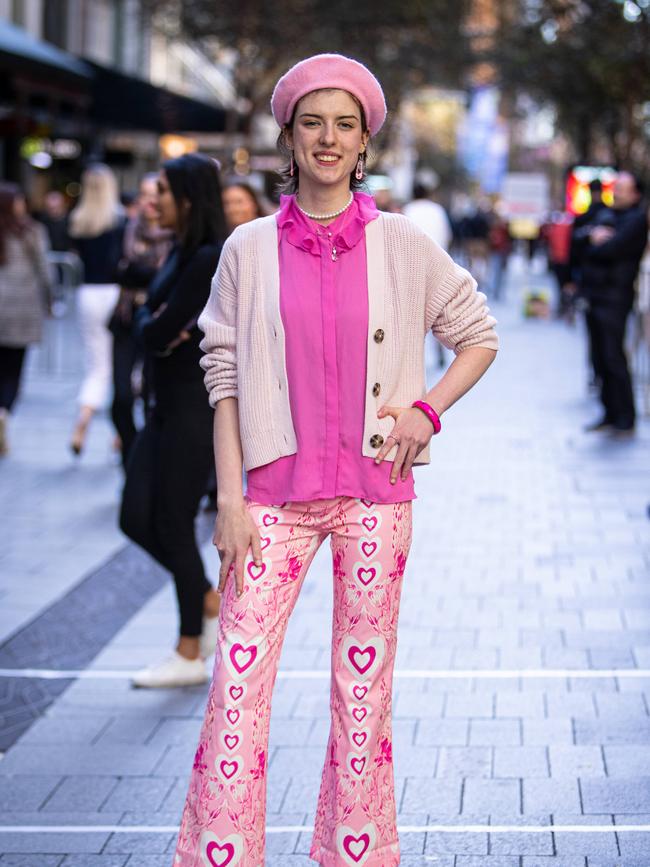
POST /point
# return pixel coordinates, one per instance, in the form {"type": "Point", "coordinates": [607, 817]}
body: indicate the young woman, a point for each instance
{"type": "Point", "coordinates": [24, 295]}
{"type": "Point", "coordinates": [240, 204]}
{"type": "Point", "coordinates": [314, 339]}
{"type": "Point", "coordinates": [170, 460]}
{"type": "Point", "coordinates": [146, 246]}
{"type": "Point", "coordinates": [97, 232]}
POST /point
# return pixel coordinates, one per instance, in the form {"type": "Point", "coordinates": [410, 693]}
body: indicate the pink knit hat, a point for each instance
{"type": "Point", "coordinates": [324, 71]}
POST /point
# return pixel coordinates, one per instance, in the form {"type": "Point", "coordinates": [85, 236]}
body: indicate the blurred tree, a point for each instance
{"type": "Point", "coordinates": [590, 60]}
{"type": "Point", "coordinates": [404, 42]}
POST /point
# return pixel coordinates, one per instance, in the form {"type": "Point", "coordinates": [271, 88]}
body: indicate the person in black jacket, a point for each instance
{"type": "Point", "coordinates": [609, 270]}
{"type": "Point", "coordinates": [168, 467]}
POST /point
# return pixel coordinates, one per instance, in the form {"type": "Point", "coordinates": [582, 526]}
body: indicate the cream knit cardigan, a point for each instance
{"type": "Point", "coordinates": [413, 286]}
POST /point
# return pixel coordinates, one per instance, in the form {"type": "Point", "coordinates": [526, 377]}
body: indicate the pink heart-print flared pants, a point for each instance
{"type": "Point", "coordinates": [223, 823]}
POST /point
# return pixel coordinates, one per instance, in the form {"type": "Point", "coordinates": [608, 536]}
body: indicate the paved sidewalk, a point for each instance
{"type": "Point", "coordinates": [530, 553]}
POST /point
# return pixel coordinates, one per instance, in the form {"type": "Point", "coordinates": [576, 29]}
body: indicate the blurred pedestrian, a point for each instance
{"type": "Point", "coordinates": [314, 362]}
{"type": "Point", "coordinates": [500, 242]}
{"type": "Point", "coordinates": [609, 272]}
{"type": "Point", "coordinates": [55, 218]}
{"type": "Point", "coordinates": [171, 458]}
{"type": "Point", "coordinates": [25, 283]}
{"type": "Point", "coordinates": [598, 213]}
{"type": "Point", "coordinates": [428, 215]}
{"type": "Point", "coordinates": [241, 204]}
{"type": "Point", "coordinates": [557, 233]}
{"type": "Point", "coordinates": [146, 246]}
{"type": "Point", "coordinates": [97, 232]}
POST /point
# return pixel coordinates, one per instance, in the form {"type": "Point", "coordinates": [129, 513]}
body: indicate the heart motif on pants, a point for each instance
{"type": "Point", "coordinates": [359, 691]}
{"type": "Point", "coordinates": [366, 574]}
{"type": "Point", "coordinates": [370, 522]}
{"type": "Point", "coordinates": [265, 541]}
{"type": "Point", "coordinates": [367, 503]}
{"type": "Point", "coordinates": [215, 852]}
{"type": "Point", "coordinates": [357, 764]}
{"type": "Point", "coordinates": [359, 738]}
{"type": "Point", "coordinates": [269, 520]}
{"type": "Point", "coordinates": [363, 658]}
{"type": "Point", "coordinates": [231, 740]}
{"type": "Point", "coordinates": [359, 713]}
{"type": "Point", "coordinates": [368, 547]}
{"type": "Point", "coordinates": [236, 691]}
{"type": "Point", "coordinates": [228, 767]}
{"type": "Point", "coordinates": [218, 855]}
{"type": "Point", "coordinates": [242, 653]}
{"type": "Point", "coordinates": [355, 846]}
{"type": "Point", "coordinates": [232, 715]}
{"type": "Point", "coordinates": [255, 572]}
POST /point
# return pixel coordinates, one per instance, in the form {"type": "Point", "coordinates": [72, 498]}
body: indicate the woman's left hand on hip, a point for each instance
{"type": "Point", "coordinates": [411, 433]}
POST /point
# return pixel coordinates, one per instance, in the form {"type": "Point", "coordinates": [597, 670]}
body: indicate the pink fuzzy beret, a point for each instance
{"type": "Point", "coordinates": [325, 71]}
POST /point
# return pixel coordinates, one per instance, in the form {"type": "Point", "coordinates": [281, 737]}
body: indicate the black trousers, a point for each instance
{"type": "Point", "coordinates": [11, 367]}
{"type": "Point", "coordinates": [607, 330]}
{"type": "Point", "coordinates": [166, 477]}
{"type": "Point", "coordinates": [126, 354]}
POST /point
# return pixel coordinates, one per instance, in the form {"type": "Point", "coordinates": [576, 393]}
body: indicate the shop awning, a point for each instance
{"type": "Point", "coordinates": [125, 102]}
{"type": "Point", "coordinates": [21, 52]}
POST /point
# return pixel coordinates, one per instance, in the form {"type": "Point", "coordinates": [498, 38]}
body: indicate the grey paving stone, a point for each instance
{"type": "Point", "coordinates": [618, 731]}
{"type": "Point", "coordinates": [43, 843]}
{"type": "Point", "coordinates": [487, 861]}
{"type": "Point", "coordinates": [594, 845]}
{"type": "Point", "coordinates": [442, 797]}
{"type": "Point", "coordinates": [621, 704]}
{"type": "Point", "coordinates": [630, 795]}
{"type": "Point", "coordinates": [521, 762]}
{"type": "Point", "coordinates": [502, 732]}
{"type": "Point", "coordinates": [83, 793]}
{"type": "Point", "coordinates": [141, 843]}
{"type": "Point", "coordinates": [465, 762]}
{"type": "Point", "coordinates": [570, 861]}
{"type": "Point", "coordinates": [628, 761]}
{"type": "Point", "coordinates": [571, 762]}
{"type": "Point", "coordinates": [120, 760]}
{"type": "Point", "coordinates": [131, 793]}
{"type": "Point", "coordinates": [87, 860]}
{"type": "Point", "coordinates": [443, 732]}
{"type": "Point", "coordinates": [28, 860]}
{"type": "Point", "coordinates": [516, 704]}
{"type": "Point", "coordinates": [543, 732]}
{"type": "Point", "coordinates": [499, 798]}
{"type": "Point", "coordinates": [26, 792]}
{"type": "Point", "coordinates": [551, 796]}
{"type": "Point", "coordinates": [472, 705]}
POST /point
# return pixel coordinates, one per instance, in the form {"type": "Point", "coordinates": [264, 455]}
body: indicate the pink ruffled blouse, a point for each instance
{"type": "Point", "coordinates": [324, 308]}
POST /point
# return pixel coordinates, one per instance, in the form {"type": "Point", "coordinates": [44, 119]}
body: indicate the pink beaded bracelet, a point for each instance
{"type": "Point", "coordinates": [430, 413]}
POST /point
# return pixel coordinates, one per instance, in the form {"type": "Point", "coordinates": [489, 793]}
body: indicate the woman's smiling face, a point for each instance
{"type": "Point", "coordinates": [327, 137]}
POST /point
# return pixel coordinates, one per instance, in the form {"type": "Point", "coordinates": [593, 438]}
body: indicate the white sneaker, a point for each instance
{"type": "Point", "coordinates": [208, 639]}
{"type": "Point", "coordinates": [173, 671]}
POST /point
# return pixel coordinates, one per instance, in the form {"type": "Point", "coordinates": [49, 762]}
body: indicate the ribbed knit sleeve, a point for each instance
{"type": "Point", "coordinates": [218, 322]}
{"type": "Point", "coordinates": [457, 313]}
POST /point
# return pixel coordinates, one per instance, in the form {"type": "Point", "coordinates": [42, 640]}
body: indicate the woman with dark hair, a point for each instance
{"type": "Point", "coordinates": [171, 457]}
{"type": "Point", "coordinates": [314, 342]}
{"type": "Point", "coordinates": [24, 294]}
{"type": "Point", "coordinates": [241, 204]}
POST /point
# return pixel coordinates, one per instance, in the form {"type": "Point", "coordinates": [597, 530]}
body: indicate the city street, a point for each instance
{"type": "Point", "coordinates": [522, 691]}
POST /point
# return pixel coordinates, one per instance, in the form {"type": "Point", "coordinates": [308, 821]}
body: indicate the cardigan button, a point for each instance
{"type": "Point", "coordinates": [378, 335]}
{"type": "Point", "coordinates": [376, 389]}
{"type": "Point", "coordinates": [376, 440]}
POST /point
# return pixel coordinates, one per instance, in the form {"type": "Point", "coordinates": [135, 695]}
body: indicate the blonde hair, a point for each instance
{"type": "Point", "coordinates": [99, 206]}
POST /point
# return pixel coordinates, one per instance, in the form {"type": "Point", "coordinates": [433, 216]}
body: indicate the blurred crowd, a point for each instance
{"type": "Point", "coordinates": [147, 260]}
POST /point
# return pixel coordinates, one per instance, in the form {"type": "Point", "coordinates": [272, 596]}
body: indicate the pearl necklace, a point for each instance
{"type": "Point", "coordinates": [325, 216]}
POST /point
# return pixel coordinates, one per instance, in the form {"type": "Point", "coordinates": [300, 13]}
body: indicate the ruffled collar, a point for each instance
{"type": "Point", "coordinates": [347, 229]}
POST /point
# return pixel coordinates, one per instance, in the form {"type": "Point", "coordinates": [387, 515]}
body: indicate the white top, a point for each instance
{"type": "Point", "coordinates": [432, 219]}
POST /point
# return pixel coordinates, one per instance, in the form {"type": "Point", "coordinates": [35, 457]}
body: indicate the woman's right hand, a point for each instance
{"type": "Point", "coordinates": [235, 534]}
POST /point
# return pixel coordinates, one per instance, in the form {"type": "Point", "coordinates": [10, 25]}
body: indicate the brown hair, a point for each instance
{"type": "Point", "coordinates": [288, 184]}
{"type": "Point", "coordinates": [9, 223]}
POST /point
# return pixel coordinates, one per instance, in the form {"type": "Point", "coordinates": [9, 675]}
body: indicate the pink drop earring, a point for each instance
{"type": "Point", "coordinates": [292, 167]}
{"type": "Point", "coordinates": [359, 172]}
